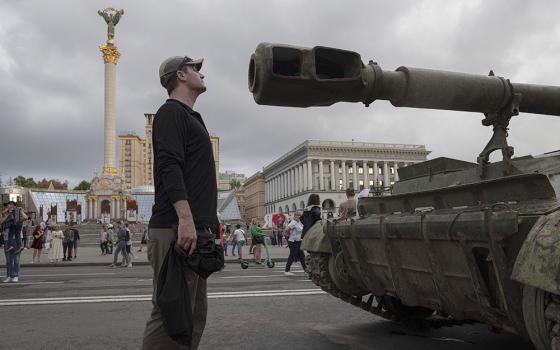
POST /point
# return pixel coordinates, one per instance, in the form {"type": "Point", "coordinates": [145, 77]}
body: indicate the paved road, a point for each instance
{"type": "Point", "coordinates": [81, 307]}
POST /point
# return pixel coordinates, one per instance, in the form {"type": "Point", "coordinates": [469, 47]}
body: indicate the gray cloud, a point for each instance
{"type": "Point", "coordinates": [51, 74]}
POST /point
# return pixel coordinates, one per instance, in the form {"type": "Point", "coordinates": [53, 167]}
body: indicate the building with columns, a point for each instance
{"type": "Point", "coordinates": [329, 167]}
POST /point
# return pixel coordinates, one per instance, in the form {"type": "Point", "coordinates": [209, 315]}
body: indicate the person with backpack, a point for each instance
{"type": "Point", "coordinates": [311, 213]}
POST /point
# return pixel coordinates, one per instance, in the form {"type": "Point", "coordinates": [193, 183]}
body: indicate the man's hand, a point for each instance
{"type": "Point", "coordinates": [186, 236]}
{"type": "Point", "coordinates": [186, 232]}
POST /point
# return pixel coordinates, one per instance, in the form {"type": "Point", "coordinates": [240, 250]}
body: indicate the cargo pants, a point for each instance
{"type": "Point", "coordinates": [155, 336]}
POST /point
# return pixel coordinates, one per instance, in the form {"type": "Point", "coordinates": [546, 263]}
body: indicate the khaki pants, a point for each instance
{"type": "Point", "coordinates": [155, 336]}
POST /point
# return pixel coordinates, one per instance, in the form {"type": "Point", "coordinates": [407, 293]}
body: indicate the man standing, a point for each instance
{"type": "Point", "coordinates": [122, 237]}
{"type": "Point", "coordinates": [347, 209]}
{"type": "Point", "coordinates": [12, 220]}
{"type": "Point", "coordinates": [76, 239]}
{"type": "Point", "coordinates": [185, 189]}
{"type": "Point", "coordinates": [68, 243]}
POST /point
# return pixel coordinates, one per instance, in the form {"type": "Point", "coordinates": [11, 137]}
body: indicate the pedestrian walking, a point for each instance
{"type": "Point", "coordinates": [27, 232]}
{"type": "Point", "coordinates": [103, 240]}
{"type": "Point", "coordinates": [129, 252]}
{"type": "Point", "coordinates": [294, 230]}
{"type": "Point", "coordinates": [225, 238]}
{"type": "Point", "coordinates": [122, 234]}
{"type": "Point", "coordinates": [239, 238]}
{"type": "Point", "coordinates": [12, 222]}
{"type": "Point", "coordinates": [55, 253]}
{"type": "Point", "coordinates": [185, 190]}
{"type": "Point", "coordinates": [110, 238]}
{"type": "Point", "coordinates": [67, 243]}
{"type": "Point", "coordinates": [144, 239]}
{"type": "Point", "coordinates": [37, 244]}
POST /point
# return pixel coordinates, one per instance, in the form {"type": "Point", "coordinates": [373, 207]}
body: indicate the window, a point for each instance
{"type": "Point", "coordinates": [371, 183]}
{"type": "Point", "coordinates": [350, 170]}
{"type": "Point", "coordinates": [392, 171]}
{"type": "Point", "coordinates": [361, 184]}
{"type": "Point", "coordinates": [340, 187]}
{"type": "Point", "coordinates": [340, 169]}
{"type": "Point", "coordinates": [360, 170]}
{"type": "Point", "coordinates": [370, 171]}
{"type": "Point", "coordinates": [379, 171]}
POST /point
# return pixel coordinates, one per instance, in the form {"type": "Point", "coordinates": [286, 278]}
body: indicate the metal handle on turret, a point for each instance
{"type": "Point", "coordinates": [284, 75]}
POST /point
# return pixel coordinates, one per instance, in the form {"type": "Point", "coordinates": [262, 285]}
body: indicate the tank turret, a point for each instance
{"type": "Point", "coordinates": [455, 241]}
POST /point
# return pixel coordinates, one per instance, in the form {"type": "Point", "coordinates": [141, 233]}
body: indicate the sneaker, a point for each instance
{"type": "Point", "coordinates": [288, 273]}
{"type": "Point", "coordinates": [112, 265]}
{"type": "Point", "coordinates": [129, 265]}
{"type": "Point", "coordinates": [8, 279]}
{"type": "Point", "coordinates": [15, 279]}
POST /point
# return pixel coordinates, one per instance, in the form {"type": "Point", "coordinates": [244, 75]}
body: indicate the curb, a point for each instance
{"type": "Point", "coordinates": [138, 263]}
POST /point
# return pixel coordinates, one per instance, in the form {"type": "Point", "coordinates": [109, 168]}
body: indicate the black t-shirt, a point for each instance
{"type": "Point", "coordinates": [184, 166]}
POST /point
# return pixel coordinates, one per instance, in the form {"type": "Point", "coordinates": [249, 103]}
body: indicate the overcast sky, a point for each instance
{"type": "Point", "coordinates": [51, 74]}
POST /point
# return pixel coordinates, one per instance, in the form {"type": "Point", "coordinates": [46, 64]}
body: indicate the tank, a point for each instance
{"type": "Point", "coordinates": [452, 242]}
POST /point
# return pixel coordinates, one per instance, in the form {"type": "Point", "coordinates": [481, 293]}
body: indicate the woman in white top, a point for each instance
{"type": "Point", "coordinates": [55, 253]}
{"type": "Point", "coordinates": [294, 230]}
{"type": "Point", "coordinates": [239, 238]}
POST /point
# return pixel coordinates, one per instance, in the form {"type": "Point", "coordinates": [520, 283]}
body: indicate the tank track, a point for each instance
{"type": "Point", "coordinates": [319, 274]}
{"type": "Point", "coordinates": [552, 315]}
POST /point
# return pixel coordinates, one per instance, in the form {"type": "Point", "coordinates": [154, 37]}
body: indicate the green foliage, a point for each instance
{"type": "Point", "coordinates": [24, 182]}
{"type": "Point", "coordinates": [234, 184]}
{"type": "Point", "coordinates": [57, 184]}
{"type": "Point", "coordinates": [83, 186]}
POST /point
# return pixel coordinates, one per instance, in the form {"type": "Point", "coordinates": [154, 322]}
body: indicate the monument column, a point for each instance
{"type": "Point", "coordinates": [110, 55]}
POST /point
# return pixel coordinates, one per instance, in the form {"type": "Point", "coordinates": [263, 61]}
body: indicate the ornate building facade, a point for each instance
{"type": "Point", "coordinates": [329, 167]}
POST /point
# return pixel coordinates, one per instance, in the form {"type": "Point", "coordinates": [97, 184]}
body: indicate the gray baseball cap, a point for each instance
{"type": "Point", "coordinates": [171, 65]}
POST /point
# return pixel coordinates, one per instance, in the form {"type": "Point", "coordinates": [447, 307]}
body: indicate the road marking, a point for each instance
{"type": "Point", "coordinates": [73, 274]}
{"type": "Point", "coordinates": [27, 283]}
{"type": "Point", "coordinates": [148, 297]}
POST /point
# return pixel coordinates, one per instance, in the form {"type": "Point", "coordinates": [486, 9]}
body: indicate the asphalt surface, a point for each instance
{"type": "Point", "coordinates": [93, 307]}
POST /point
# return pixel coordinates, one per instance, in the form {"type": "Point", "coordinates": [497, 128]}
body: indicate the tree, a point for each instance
{"type": "Point", "coordinates": [57, 184]}
{"type": "Point", "coordinates": [234, 184]}
{"type": "Point", "coordinates": [83, 186]}
{"type": "Point", "coordinates": [24, 182]}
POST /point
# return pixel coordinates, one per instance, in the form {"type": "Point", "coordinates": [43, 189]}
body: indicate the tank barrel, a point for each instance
{"type": "Point", "coordinates": [284, 75]}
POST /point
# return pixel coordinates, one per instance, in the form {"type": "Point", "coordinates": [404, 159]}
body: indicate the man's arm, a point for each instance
{"type": "Point", "coordinates": [186, 232]}
{"type": "Point", "coordinates": [23, 215]}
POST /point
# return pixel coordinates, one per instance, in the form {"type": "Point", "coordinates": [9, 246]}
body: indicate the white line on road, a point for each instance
{"type": "Point", "coordinates": [73, 274]}
{"type": "Point", "coordinates": [148, 297]}
{"type": "Point", "coordinates": [27, 283]}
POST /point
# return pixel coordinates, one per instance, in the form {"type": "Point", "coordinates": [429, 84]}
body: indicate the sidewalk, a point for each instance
{"type": "Point", "coordinates": [91, 256]}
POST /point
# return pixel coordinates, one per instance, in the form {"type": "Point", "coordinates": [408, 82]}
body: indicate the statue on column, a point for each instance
{"type": "Point", "coordinates": [111, 17]}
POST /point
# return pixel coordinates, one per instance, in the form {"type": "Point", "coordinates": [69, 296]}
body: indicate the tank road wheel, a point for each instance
{"type": "Point", "coordinates": [541, 312]}
{"type": "Point", "coordinates": [341, 277]}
